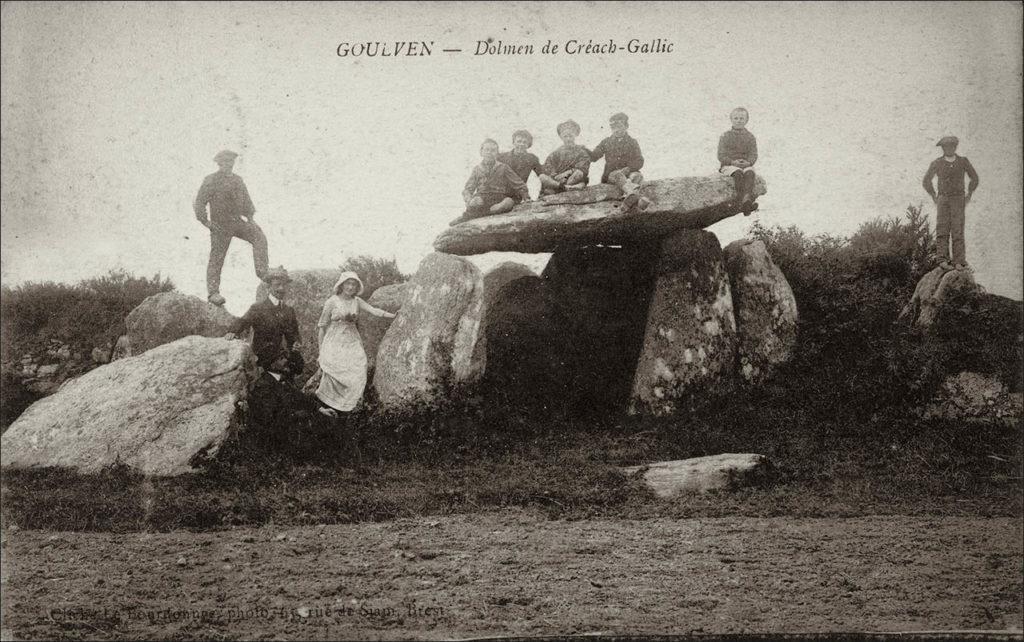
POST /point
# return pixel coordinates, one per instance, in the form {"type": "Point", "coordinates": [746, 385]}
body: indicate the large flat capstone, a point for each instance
{"type": "Point", "coordinates": [542, 226]}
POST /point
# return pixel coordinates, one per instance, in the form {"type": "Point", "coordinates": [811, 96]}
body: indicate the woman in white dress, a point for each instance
{"type": "Point", "coordinates": [342, 358]}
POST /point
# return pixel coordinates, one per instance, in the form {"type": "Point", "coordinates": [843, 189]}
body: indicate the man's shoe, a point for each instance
{"type": "Point", "coordinates": [749, 208]}
{"type": "Point", "coordinates": [575, 186]}
{"type": "Point", "coordinates": [946, 265]}
{"type": "Point", "coordinates": [962, 266]}
{"type": "Point", "coordinates": [216, 299]}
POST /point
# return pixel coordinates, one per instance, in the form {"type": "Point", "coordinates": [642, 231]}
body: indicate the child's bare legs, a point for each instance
{"type": "Point", "coordinates": [575, 180]}
{"type": "Point", "coordinates": [505, 205]}
{"type": "Point", "coordinates": [549, 185]}
{"type": "Point", "coordinates": [629, 185]}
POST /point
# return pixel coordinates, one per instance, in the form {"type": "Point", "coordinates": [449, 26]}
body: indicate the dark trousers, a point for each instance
{"type": "Point", "coordinates": [220, 239]}
{"type": "Point", "coordinates": [949, 222]}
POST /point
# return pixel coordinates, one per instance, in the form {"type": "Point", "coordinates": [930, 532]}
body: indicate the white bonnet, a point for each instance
{"type": "Point", "coordinates": [345, 276]}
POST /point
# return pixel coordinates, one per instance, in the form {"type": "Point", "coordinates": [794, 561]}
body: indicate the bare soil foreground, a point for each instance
{"type": "Point", "coordinates": [514, 572]}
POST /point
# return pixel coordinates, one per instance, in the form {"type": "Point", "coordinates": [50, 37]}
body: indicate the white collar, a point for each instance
{"type": "Point", "coordinates": [948, 159]}
{"type": "Point", "coordinates": [273, 300]}
{"type": "Point", "coordinates": [275, 375]}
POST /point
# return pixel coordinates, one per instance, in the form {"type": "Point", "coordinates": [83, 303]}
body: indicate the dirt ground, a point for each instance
{"type": "Point", "coordinates": [517, 573]}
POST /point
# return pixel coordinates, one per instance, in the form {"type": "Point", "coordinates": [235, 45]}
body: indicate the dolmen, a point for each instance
{"type": "Point", "coordinates": [637, 310]}
{"type": "Point", "coordinates": [595, 215]}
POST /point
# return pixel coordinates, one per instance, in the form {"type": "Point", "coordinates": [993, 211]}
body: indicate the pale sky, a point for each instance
{"type": "Point", "coordinates": [112, 113]}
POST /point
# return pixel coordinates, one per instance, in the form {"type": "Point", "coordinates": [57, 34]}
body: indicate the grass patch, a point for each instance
{"type": "Point", "coordinates": [823, 467]}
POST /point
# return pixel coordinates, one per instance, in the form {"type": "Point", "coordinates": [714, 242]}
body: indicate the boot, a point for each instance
{"type": "Point", "coordinates": [748, 187]}
{"type": "Point", "coordinates": [741, 187]}
{"type": "Point", "coordinates": [631, 197]}
{"type": "Point", "coordinates": [216, 299]}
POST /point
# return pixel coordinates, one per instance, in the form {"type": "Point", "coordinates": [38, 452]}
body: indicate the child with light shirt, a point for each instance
{"type": "Point", "coordinates": [492, 188]}
{"type": "Point", "coordinates": [737, 153]}
{"type": "Point", "coordinates": [567, 167]}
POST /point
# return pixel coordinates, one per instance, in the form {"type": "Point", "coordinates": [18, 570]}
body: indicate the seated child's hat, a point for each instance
{"type": "Point", "coordinates": [948, 140]}
{"type": "Point", "coordinates": [569, 123]}
{"type": "Point", "coordinates": [225, 155]}
{"type": "Point", "coordinates": [619, 117]}
{"type": "Point", "coordinates": [525, 134]}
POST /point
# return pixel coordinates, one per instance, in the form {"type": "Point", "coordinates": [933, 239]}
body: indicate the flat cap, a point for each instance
{"type": "Point", "coordinates": [277, 274]}
{"type": "Point", "coordinates": [619, 117]}
{"type": "Point", "coordinates": [571, 124]}
{"type": "Point", "coordinates": [948, 140]}
{"type": "Point", "coordinates": [225, 155]}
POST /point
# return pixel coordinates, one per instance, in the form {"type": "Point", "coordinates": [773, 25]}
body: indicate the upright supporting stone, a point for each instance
{"type": "Point", "coordinates": [765, 309]}
{"type": "Point", "coordinates": [437, 340]}
{"type": "Point", "coordinates": [690, 337]}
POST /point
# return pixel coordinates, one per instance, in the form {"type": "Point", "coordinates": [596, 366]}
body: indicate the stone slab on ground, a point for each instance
{"type": "Point", "coordinates": [542, 226]}
{"type": "Point", "coordinates": [158, 413]}
{"type": "Point", "coordinates": [715, 472]}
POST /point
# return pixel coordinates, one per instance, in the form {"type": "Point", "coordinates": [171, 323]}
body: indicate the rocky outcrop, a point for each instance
{"type": "Point", "coordinates": [690, 337]}
{"type": "Point", "coordinates": [931, 294]}
{"type": "Point", "coordinates": [965, 329]}
{"type": "Point", "coordinates": [700, 474]}
{"type": "Point", "coordinates": [970, 395]}
{"type": "Point", "coordinates": [160, 413]}
{"type": "Point", "coordinates": [437, 341]}
{"type": "Point", "coordinates": [169, 316]}
{"type": "Point", "coordinates": [557, 220]}
{"type": "Point", "coordinates": [43, 370]}
{"type": "Point", "coordinates": [764, 308]}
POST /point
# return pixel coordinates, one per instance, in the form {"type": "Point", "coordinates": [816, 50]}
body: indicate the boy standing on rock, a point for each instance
{"type": "Point", "coordinates": [492, 188]}
{"type": "Point", "coordinates": [567, 167]}
{"type": "Point", "coordinates": [737, 153]}
{"type": "Point", "coordinates": [622, 161]}
{"type": "Point", "coordinates": [231, 214]}
{"type": "Point", "coordinates": [950, 201]}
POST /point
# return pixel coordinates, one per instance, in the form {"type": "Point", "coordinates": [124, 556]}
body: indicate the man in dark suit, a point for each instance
{"type": "Point", "coordinates": [273, 322]}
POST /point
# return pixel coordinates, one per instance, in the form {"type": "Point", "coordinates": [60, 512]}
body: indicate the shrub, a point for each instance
{"type": "Point", "coordinates": [850, 292]}
{"type": "Point", "coordinates": [83, 315]}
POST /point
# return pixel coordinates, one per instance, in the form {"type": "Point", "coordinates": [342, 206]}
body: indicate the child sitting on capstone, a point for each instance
{"type": "Point", "coordinates": [567, 167]}
{"type": "Point", "coordinates": [521, 161]}
{"type": "Point", "coordinates": [737, 153]}
{"type": "Point", "coordinates": [622, 161]}
{"type": "Point", "coordinates": [492, 188]}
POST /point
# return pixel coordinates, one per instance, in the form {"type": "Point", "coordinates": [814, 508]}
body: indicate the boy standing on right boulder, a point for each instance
{"type": "Point", "coordinates": [950, 200]}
